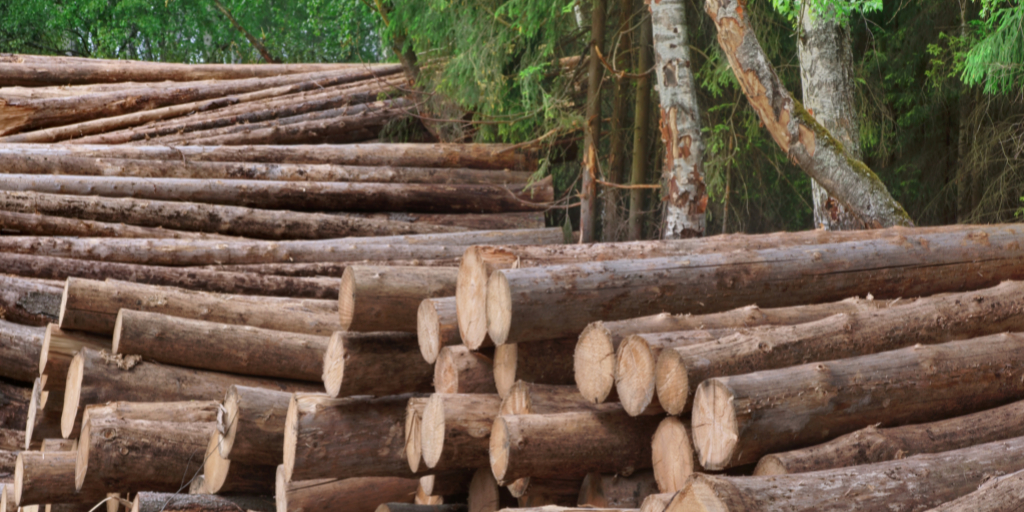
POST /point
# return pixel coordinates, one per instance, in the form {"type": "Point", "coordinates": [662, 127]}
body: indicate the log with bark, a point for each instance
{"type": "Point", "coordinates": [872, 444]}
{"type": "Point", "coordinates": [674, 458]}
{"type": "Point", "coordinates": [374, 363]}
{"type": "Point", "coordinates": [522, 304]}
{"type": "Point", "coordinates": [324, 495]}
{"type": "Point", "coordinates": [29, 301]}
{"type": "Point", "coordinates": [1000, 494]}
{"type": "Point", "coordinates": [14, 405]}
{"type": "Point", "coordinates": [20, 347]}
{"type": "Point", "coordinates": [595, 359]}
{"type": "Point", "coordinates": [928, 320]}
{"type": "Point", "coordinates": [45, 414]}
{"type": "Point", "coordinates": [543, 362]}
{"type": "Point", "coordinates": [176, 502]}
{"type": "Point", "coordinates": [455, 430]}
{"type": "Point", "coordinates": [220, 476]}
{"type": "Point", "coordinates": [47, 267]}
{"type": "Point", "coordinates": [459, 370]}
{"type": "Point", "coordinates": [131, 447]}
{"type": "Point", "coordinates": [14, 223]}
{"type": "Point", "coordinates": [914, 483]}
{"type": "Point", "coordinates": [49, 477]}
{"type": "Point", "coordinates": [739, 419]}
{"type": "Point", "coordinates": [92, 306]}
{"type": "Point", "coordinates": [251, 427]}
{"type": "Point", "coordinates": [328, 437]}
{"type": "Point", "coordinates": [562, 445]}
{"type": "Point", "coordinates": [387, 298]}
{"type": "Point", "coordinates": [438, 246]}
{"type": "Point", "coordinates": [96, 377]}
{"type": "Point", "coordinates": [485, 495]}
{"type": "Point", "coordinates": [437, 326]}
{"type": "Point", "coordinates": [12, 440]}
{"type": "Point", "coordinates": [406, 507]}
{"type": "Point", "coordinates": [334, 269]}
{"type": "Point", "coordinates": [59, 347]}
{"type": "Point", "coordinates": [616, 491]}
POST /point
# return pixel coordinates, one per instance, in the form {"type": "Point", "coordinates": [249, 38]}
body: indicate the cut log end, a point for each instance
{"type": "Point", "coordinates": [672, 454]}
{"type": "Point", "coordinates": [672, 382]}
{"type": "Point", "coordinates": [227, 423]}
{"type": "Point", "coordinates": [116, 340]}
{"type": "Point", "coordinates": [63, 304]}
{"type": "Point", "coordinates": [594, 363]}
{"type": "Point", "coordinates": [346, 298]}
{"type": "Point", "coordinates": [770, 465]}
{"type": "Point", "coordinates": [82, 461]}
{"type": "Point", "coordinates": [34, 403]}
{"type": "Point", "coordinates": [432, 431]}
{"type": "Point", "coordinates": [517, 401]}
{"type": "Point", "coordinates": [484, 493]}
{"type": "Point", "coordinates": [72, 393]}
{"type": "Point", "coordinates": [428, 331]}
{"type": "Point", "coordinates": [215, 467]}
{"type": "Point", "coordinates": [291, 434]}
{"type": "Point", "coordinates": [703, 495]}
{"type": "Point", "coordinates": [45, 350]}
{"type": "Point", "coordinates": [499, 308]}
{"type": "Point", "coordinates": [281, 489]}
{"type": "Point", "coordinates": [499, 448]}
{"type": "Point", "coordinates": [19, 479]}
{"type": "Point", "coordinates": [506, 361]}
{"type": "Point", "coordinates": [413, 440]}
{"type": "Point", "coordinates": [334, 364]}
{"type": "Point", "coordinates": [634, 375]}
{"type": "Point", "coordinates": [446, 373]}
{"type": "Point", "coordinates": [471, 299]}
{"type": "Point", "coordinates": [715, 426]}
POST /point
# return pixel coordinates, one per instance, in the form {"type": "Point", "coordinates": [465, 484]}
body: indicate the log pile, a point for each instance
{"type": "Point", "coordinates": [169, 342]}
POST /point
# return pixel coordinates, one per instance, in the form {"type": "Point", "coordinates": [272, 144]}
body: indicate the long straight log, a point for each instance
{"type": "Point", "coordinates": [1000, 494]}
{"type": "Point", "coordinates": [927, 320]}
{"type": "Point", "coordinates": [522, 304]}
{"type": "Point", "coordinates": [458, 370]}
{"type": "Point", "coordinates": [98, 377]}
{"type": "Point", "coordinates": [570, 444]}
{"type": "Point", "coordinates": [29, 301]}
{"type": "Point", "coordinates": [135, 446]}
{"type": "Point", "coordinates": [59, 348]}
{"type": "Point", "coordinates": [543, 362]}
{"type": "Point", "coordinates": [12, 441]}
{"type": "Point", "coordinates": [49, 477]}
{"type": "Point", "coordinates": [914, 483]}
{"type": "Point", "coordinates": [47, 267]}
{"type": "Point", "coordinates": [595, 360]}
{"type": "Point", "coordinates": [363, 494]}
{"type": "Point", "coordinates": [616, 491]}
{"type": "Point", "coordinates": [872, 445]}
{"type": "Point", "coordinates": [436, 326]}
{"type": "Point", "coordinates": [479, 262]}
{"type": "Point", "coordinates": [476, 156]}
{"type": "Point", "coordinates": [237, 349]}
{"type": "Point", "coordinates": [673, 456]}
{"type": "Point", "coordinates": [475, 221]}
{"type": "Point", "coordinates": [334, 269]}
{"type": "Point", "coordinates": [213, 218]}
{"type": "Point", "coordinates": [20, 347]}
{"type": "Point", "coordinates": [374, 363]}
{"type": "Point", "coordinates": [737, 420]}
{"type": "Point", "coordinates": [93, 306]}
{"type": "Point", "coordinates": [175, 502]}
{"type": "Point", "coordinates": [456, 428]}
{"type": "Point", "coordinates": [345, 437]}
{"type": "Point", "coordinates": [14, 223]}
{"type": "Point", "coordinates": [220, 476]}
{"type": "Point", "coordinates": [387, 298]}
{"type": "Point", "coordinates": [251, 428]}
{"type": "Point", "coordinates": [137, 168]}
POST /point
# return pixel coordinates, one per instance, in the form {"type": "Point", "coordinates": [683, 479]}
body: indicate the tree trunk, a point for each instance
{"type": "Point", "coordinates": [828, 80]}
{"type": "Point", "coordinates": [926, 321]}
{"type": "Point", "coordinates": [98, 377]}
{"type": "Point", "coordinates": [460, 371]}
{"type": "Point", "coordinates": [906, 484]}
{"type": "Point", "coordinates": [251, 428]}
{"type": "Point", "coordinates": [803, 139]}
{"type": "Point", "coordinates": [437, 326]}
{"type": "Point", "coordinates": [345, 437]}
{"type": "Point", "coordinates": [638, 171]}
{"type": "Point", "coordinates": [476, 156]}
{"type": "Point", "coordinates": [337, 269]}
{"type": "Point", "coordinates": [596, 361]}
{"type": "Point", "coordinates": [872, 445]}
{"type": "Point", "coordinates": [356, 364]}
{"type": "Point", "coordinates": [20, 347]}
{"type": "Point", "coordinates": [611, 229]}
{"type": "Point", "coordinates": [674, 457]}
{"type": "Point", "coordinates": [93, 306]}
{"type": "Point", "coordinates": [570, 444]}
{"type": "Point", "coordinates": [220, 476]}
{"type": "Point", "coordinates": [135, 446]}
{"type": "Point", "coordinates": [741, 418]}
{"type": "Point", "coordinates": [616, 491]}
{"type": "Point", "coordinates": [49, 477]}
{"type": "Point", "coordinates": [29, 301]}
{"type": "Point", "coordinates": [47, 267]}
{"type": "Point", "coordinates": [683, 168]}
{"type": "Point", "coordinates": [358, 494]}
{"type": "Point", "coordinates": [455, 429]}
{"type": "Point", "coordinates": [387, 298]}
{"type": "Point", "coordinates": [522, 304]}
{"type": "Point", "coordinates": [14, 223]}
{"type": "Point", "coordinates": [236, 349]}
{"type": "Point", "coordinates": [440, 246]}
{"type": "Point", "coordinates": [1001, 494]}
{"type": "Point", "coordinates": [529, 398]}
{"type": "Point", "coordinates": [543, 362]}
{"type": "Point", "coordinates": [59, 348]}
{"type": "Point", "coordinates": [174, 502]}
{"type": "Point", "coordinates": [592, 132]}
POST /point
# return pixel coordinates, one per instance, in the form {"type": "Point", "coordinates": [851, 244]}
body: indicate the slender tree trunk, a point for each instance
{"type": "Point", "coordinates": [640, 132]}
{"type": "Point", "coordinates": [256, 43]}
{"type": "Point", "coordinates": [592, 132]}
{"type": "Point", "coordinates": [826, 73]}
{"type": "Point", "coordinates": [610, 226]}
{"type": "Point", "coordinates": [803, 139]}
{"type": "Point", "coordinates": [680, 122]}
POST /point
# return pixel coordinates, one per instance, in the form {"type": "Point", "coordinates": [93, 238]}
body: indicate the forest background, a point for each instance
{"type": "Point", "coordinates": [939, 88]}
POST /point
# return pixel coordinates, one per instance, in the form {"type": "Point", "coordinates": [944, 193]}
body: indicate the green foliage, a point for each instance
{"type": "Point", "coordinates": [996, 60]}
{"type": "Point", "coordinates": [840, 10]}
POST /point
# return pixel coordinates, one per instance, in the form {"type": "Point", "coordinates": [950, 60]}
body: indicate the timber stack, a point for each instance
{"type": "Point", "coordinates": [389, 327]}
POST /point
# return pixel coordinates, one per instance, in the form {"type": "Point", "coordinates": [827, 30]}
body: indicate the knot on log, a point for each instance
{"type": "Point", "coordinates": [122, 361]}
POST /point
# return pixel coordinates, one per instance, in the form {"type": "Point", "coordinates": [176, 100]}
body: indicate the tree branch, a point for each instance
{"type": "Point", "coordinates": [252, 39]}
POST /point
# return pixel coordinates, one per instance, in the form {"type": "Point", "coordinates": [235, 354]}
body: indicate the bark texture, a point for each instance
{"type": "Point", "coordinates": [358, 494]}
{"type": "Point", "coordinates": [616, 491]}
{"type": "Point", "coordinates": [542, 362]}
{"type": "Point", "coordinates": [174, 502]}
{"type": "Point", "coordinates": [251, 428]}
{"type": "Point", "coordinates": [1002, 494]}
{"type": "Point", "coordinates": [388, 298]}
{"type": "Point", "coordinates": [437, 326]}
{"type": "Point", "coordinates": [29, 301]}
{"type": "Point", "coordinates": [592, 131]}
{"type": "Point", "coordinates": [374, 363]}
{"type": "Point", "coordinates": [459, 370]}
{"type": "Point", "coordinates": [14, 223]}
{"type": "Point", "coordinates": [455, 430]}
{"type": "Point", "coordinates": [20, 351]}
